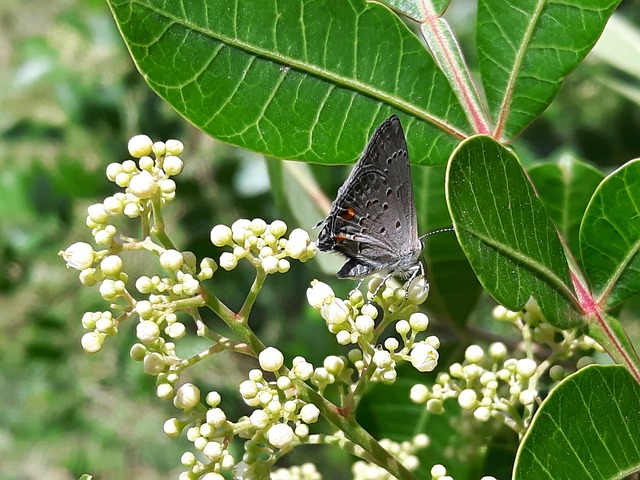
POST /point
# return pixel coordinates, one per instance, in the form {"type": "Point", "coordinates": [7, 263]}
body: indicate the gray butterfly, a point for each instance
{"type": "Point", "coordinates": [372, 221]}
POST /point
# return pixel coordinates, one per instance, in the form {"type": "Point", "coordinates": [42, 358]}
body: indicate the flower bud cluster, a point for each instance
{"type": "Point", "coordinates": [210, 435]}
{"type": "Point", "coordinates": [263, 244]}
{"type": "Point", "coordinates": [306, 471]}
{"type": "Point", "coordinates": [487, 383]}
{"type": "Point", "coordinates": [353, 322]}
{"type": "Point", "coordinates": [405, 452]}
{"type": "Point", "coordinates": [281, 419]}
{"type": "Point", "coordinates": [563, 343]}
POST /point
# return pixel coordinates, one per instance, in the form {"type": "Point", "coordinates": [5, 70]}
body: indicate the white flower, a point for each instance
{"type": "Point", "coordinates": [271, 359]}
{"type": "Point", "coordinates": [424, 357]}
{"type": "Point", "coordinates": [80, 255]}
{"type": "Point", "coordinates": [280, 435]}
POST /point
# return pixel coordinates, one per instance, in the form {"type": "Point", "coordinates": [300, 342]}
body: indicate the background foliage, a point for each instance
{"type": "Point", "coordinates": [70, 99]}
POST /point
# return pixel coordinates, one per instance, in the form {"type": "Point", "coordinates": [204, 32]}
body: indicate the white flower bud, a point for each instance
{"type": "Point", "coordinates": [364, 324]}
{"type": "Point", "coordinates": [434, 405]}
{"type": "Point", "coordinates": [403, 327]}
{"type": "Point", "coordinates": [221, 235]}
{"type": "Point", "coordinates": [97, 213]}
{"type": "Point", "coordinates": [113, 169]}
{"type": "Point", "coordinates": [283, 265]}
{"type": "Point", "coordinates": [343, 337]}
{"type": "Point", "coordinates": [139, 145]}
{"type": "Point", "coordinates": [473, 354]}
{"type": "Point", "coordinates": [92, 342]}
{"type": "Point", "coordinates": [418, 291]}
{"type": "Point", "coordinates": [248, 389]}
{"type": "Point", "coordinates": [131, 210]}
{"type": "Point", "coordinates": [438, 471]}
{"type": "Point", "coordinates": [497, 350]}
{"type": "Point", "coordinates": [334, 364]}
{"type": "Point", "coordinates": [146, 163]}
{"type": "Point", "coordinates": [419, 393]}
{"type": "Point", "coordinates": [527, 397]}
{"type": "Point", "coordinates": [280, 435]}
{"type": "Point", "coordinates": [213, 399]}
{"type": "Point", "coordinates": [154, 364]}
{"type": "Point", "coordinates": [335, 312]}
{"type": "Point", "coordinates": [302, 370]}
{"type": "Point", "coordinates": [482, 414]}
{"type": "Point", "coordinates": [174, 147]}
{"type": "Point", "coordinates": [176, 330]}
{"type": "Point", "coordinates": [468, 399]}
{"type": "Point", "coordinates": [143, 185]}
{"type": "Point", "coordinates": [419, 322]}
{"type": "Point", "coordinates": [172, 428]}
{"type": "Point", "coordinates": [391, 344]}
{"type": "Point", "coordinates": [258, 226]}
{"type": "Point", "coordinates": [278, 228]}
{"type": "Point", "coordinates": [172, 165]}
{"type": "Point", "coordinates": [137, 352]}
{"type": "Point", "coordinates": [187, 397]}
{"type": "Point", "coordinates": [168, 188]}
{"type": "Point", "coordinates": [171, 260]}
{"type": "Point", "coordinates": [424, 357]}
{"type": "Point", "coordinates": [270, 265]}
{"type": "Point", "coordinates": [319, 293]}
{"type": "Point", "coordinates": [80, 255]}
{"type": "Point", "coordinates": [228, 261]}
{"type": "Point", "coordinates": [309, 413]}
{"type": "Point", "coordinates": [111, 265]}
{"type": "Point", "coordinates": [259, 419]}
{"type": "Point", "coordinates": [382, 359]}
{"type": "Point", "coordinates": [216, 417]}
{"type": "Point", "coordinates": [147, 331]}
{"type": "Point", "coordinates": [271, 359]}
{"type": "Point", "coordinates": [526, 367]}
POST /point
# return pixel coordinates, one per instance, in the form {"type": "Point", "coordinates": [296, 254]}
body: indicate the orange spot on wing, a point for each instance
{"type": "Point", "coordinates": [339, 238]}
{"type": "Point", "coordinates": [348, 214]}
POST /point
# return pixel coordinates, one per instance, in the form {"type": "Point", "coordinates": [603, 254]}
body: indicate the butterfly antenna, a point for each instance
{"type": "Point", "coordinates": [440, 230]}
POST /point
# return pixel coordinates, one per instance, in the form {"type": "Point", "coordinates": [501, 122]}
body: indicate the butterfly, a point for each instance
{"type": "Point", "coordinates": [372, 222]}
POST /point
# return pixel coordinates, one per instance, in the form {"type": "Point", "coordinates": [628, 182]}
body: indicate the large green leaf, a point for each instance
{"type": "Point", "coordinates": [565, 187]}
{"type": "Point", "coordinates": [526, 49]}
{"type": "Point", "coordinates": [454, 287]}
{"type": "Point", "coordinates": [505, 231]}
{"type": "Point", "coordinates": [302, 79]}
{"type": "Point", "coordinates": [610, 237]}
{"type": "Point", "coordinates": [587, 428]}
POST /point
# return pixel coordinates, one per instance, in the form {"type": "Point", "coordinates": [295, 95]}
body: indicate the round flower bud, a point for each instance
{"type": "Point", "coordinates": [424, 357]}
{"type": "Point", "coordinates": [278, 228]}
{"type": "Point", "coordinates": [364, 324]}
{"type": "Point", "coordinates": [213, 399]}
{"type": "Point", "coordinates": [343, 337]}
{"type": "Point", "coordinates": [213, 451]}
{"type": "Point", "coordinates": [131, 210]}
{"type": "Point", "coordinates": [111, 265]}
{"type": "Point", "coordinates": [391, 344]}
{"type": "Point", "coordinates": [473, 354]}
{"type": "Point", "coordinates": [228, 261]}
{"type": "Point", "coordinates": [319, 293]}
{"type": "Point", "coordinates": [168, 188]}
{"type": "Point", "coordinates": [137, 352]}
{"type": "Point", "coordinates": [139, 145]}
{"type": "Point", "coordinates": [258, 226]}
{"type": "Point", "coordinates": [88, 277]}
{"type": "Point", "coordinates": [309, 413]}
{"type": "Point", "coordinates": [147, 331]}
{"type": "Point", "coordinates": [97, 213]}
{"type": "Point", "coordinates": [438, 471]}
{"type": "Point", "coordinates": [403, 327]}
{"type": "Point", "coordinates": [187, 397]}
{"type": "Point", "coordinates": [271, 359]}
{"type": "Point", "coordinates": [221, 235]}
{"type": "Point", "coordinates": [418, 291]}
{"type": "Point", "coordinates": [482, 414]}
{"type": "Point", "coordinates": [468, 399]}
{"type": "Point", "coordinates": [113, 169]}
{"type": "Point", "coordinates": [80, 255]}
{"type": "Point", "coordinates": [146, 163]}
{"type": "Point", "coordinates": [176, 330]}
{"type": "Point", "coordinates": [259, 419]}
{"type": "Point", "coordinates": [92, 342]}
{"type": "Point", "coordinates": [382, 359]}
{"type": "Point", "coordinates": [419, 393]}
{"type": "Point", "coordinates": [334, 364]}
{"type": "Point", "coordinates": [335, 312]}
{"type": "Point", "coordinates": [419, 322]}
{"type": "Point", "coordinates": [248, 389]}
{"type": "Point", "coordinates": [143, 185]}
{"type": "Point", "coordinates": [174, 147]}
{"type": "Point", "coordinates": [283, 265]}
{"type": "Point", "coordinates": [154, 364]}
{"type": "Point", "coordinates": [280, 435]}
{"type": "Point", "coordinates": [172, 165]}
{"type": "Point", "coordinates": [216, 417]}
{"type": "Point", "coordinates": [434, 405]}
{"type": "Point", "coordinates": [497, 350]}
{"type": "Point", "coordinates": [270, 265]}
{"type": "Point", "coordinates": [172, 428]}
{"type": "Point", "coordinates": [527, 397]}
{"type": "Point", "coordinates": [171, 260]}
{"type": "Point", "coordinates": [526, 367]}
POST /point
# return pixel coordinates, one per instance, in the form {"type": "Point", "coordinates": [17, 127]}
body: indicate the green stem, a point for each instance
{"type": "Point", "coordinates": [258, 282]}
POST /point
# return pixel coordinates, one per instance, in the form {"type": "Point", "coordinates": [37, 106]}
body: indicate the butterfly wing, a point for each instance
{"type": "Point", "coordinates": [373, 218]}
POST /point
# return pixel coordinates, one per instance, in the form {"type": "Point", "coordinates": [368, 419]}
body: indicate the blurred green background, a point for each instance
{"type": "Point", "coordinates": [70, 98]}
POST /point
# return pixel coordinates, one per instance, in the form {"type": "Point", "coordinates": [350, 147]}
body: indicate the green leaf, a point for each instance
{"type": "Point", "coordinates": [565, 187]}
{"type": "Point", "coordinates": [587, 428]}
{"type": "Point", "coordinates": [505, 231]}
{"type": "Point", "coordinates": [306, 79]}
{"type": "Point", "coordinates": [610, 237]}
{"type": "Point", "coordinates": [454, 287]}
{"type": "Point", "coordinates": [526, 49]}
